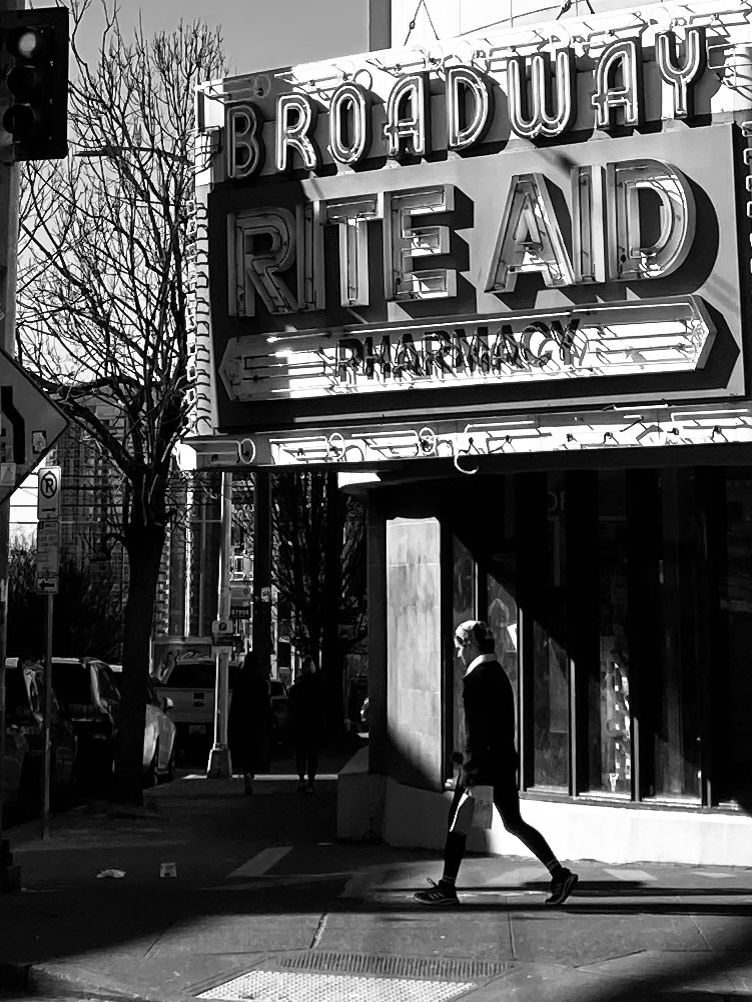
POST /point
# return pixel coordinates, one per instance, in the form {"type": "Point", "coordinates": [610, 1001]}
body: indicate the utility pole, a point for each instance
{"type": "Point", "coordinates": [262, 568]}
{"type": "Point", "coordinates": [220, 765]}
{"type": "Point", "coordinates": [10, 875]}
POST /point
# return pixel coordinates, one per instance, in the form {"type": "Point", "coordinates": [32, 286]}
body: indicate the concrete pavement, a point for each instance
{"type": "Point", "coordinates": [268, 905]}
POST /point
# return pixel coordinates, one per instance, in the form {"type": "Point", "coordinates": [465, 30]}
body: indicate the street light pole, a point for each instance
{"type": "Point", "coordinates": [220, 764]}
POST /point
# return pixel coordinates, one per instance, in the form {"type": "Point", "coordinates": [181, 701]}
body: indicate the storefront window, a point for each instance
{"type": "Point", "coordinates": [668, 686]}
{"type": "Point", "coordinates": [502, 618]}
{"type": "Point", "coordinates": [734, 733]}
{"type": "Point", "coordinates": [551, 711]}
{"type": "Point", "coordinates": [607, 599]}
{"type": "Point", "coordinates": [550, 661]}
{"type": "Point", "coordinates": [464, 605]}
{"type": "Point", "coordinates": [609, 717]}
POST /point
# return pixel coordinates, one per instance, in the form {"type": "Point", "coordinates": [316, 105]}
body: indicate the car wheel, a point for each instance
{"type": "Point", "coordinates": [169, 774]}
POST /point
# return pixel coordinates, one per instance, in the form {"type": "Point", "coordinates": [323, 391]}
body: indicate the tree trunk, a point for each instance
{"type": "Point", "coordinates": [144, 546]}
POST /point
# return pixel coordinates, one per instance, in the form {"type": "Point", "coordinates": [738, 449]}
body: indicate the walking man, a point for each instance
{"type": "Point", "coordinates": [490, 759]}
{"type": "Point", "coordinates": [307, 706]}
{"type": "Point", "coordinates": [250, 720]}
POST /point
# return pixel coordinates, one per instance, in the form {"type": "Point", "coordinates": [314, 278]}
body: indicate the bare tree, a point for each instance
{"type": "Point", "coordinates": [104, 312]}
{"type": "Point", "coordinates": [319, 567]}
{"type": "Point", "coordinates": [88, 617]}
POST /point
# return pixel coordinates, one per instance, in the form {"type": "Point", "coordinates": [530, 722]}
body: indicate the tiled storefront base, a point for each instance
{"type": "Point", "coordinates": [582, 831]}
{"type": "Point", "coordinates": [609, 834]}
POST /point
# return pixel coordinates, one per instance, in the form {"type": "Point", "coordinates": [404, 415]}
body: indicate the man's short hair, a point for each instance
{"type": "Point", "coordinates": [478, 632]}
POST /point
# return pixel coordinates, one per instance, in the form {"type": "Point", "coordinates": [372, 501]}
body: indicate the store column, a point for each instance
{"type": "Point", "coordinates": [413, 647]}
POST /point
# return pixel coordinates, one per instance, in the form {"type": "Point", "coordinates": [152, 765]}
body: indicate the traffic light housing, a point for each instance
{"type": "Point", "coordinates": [34, 87]}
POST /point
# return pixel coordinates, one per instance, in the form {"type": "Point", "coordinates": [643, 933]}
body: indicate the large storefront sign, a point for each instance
{"type": "Point", "coordinates": [510, 222]}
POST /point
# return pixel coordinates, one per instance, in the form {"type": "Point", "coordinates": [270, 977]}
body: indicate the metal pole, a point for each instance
{"type": "Point", "coordinates": [46, 721]}
{"type": "Point", "coordinates": [9, 183]}
{"type": "Point", "coordinates": [220, 765]}
{"type": "Point", "coordinates": [8, 246]}
{"type": "Point", "coordinates": [262, 551]}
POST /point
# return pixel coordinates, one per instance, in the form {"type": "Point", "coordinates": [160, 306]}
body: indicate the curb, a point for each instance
{"type": "Point", "coordinates": [53, 981]}
{"type": "Point", "coordinates": [14, 977]}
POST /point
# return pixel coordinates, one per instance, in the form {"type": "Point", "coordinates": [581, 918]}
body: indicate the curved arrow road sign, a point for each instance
{"type": "Point", "coordinates": [30, 424]}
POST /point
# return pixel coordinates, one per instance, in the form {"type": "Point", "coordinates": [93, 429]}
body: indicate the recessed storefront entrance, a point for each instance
{"type": "Point", "coordinates": [621, 605]}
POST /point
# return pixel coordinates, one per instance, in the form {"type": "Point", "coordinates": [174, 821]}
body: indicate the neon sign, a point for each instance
{"type": "Point", "coordinates": [593, 340]}
{"type": "Point", "coordinates": [270, 241]}
{"type": "Point", "coordinates": [541, 99]}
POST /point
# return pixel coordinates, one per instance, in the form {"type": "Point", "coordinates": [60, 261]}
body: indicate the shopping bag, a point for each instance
{"type": "Point", "coordinates": [483, 800]}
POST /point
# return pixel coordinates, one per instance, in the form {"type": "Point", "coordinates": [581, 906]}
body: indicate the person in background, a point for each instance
{"type": "Point", "coordinates": [250, 720]}
{"type": "Point", "coordinates": [307, 716]}
{"type": "Point", "coordinates": [490, 759]}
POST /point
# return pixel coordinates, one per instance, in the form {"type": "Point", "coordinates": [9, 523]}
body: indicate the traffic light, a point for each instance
{"type": "Point", "coordinates": [34, 88]}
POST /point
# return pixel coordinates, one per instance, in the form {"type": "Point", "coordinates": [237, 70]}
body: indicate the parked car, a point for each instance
{"type": "Point", "coordinates": [356, 691]}
{"type": "Point", "coordinates": [24, 706]}
{"type": "Point", "coordinates": [16, 748]}
{"type": "Point", "coordinates": [89, 699]}
{"type": "Point", "coordinates": [189, 685]}
{"type": "Point", "coordinates": [159, 733]}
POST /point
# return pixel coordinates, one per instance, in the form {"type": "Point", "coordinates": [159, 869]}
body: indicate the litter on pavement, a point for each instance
{"type": "Point", "coordinates": [111, 873]}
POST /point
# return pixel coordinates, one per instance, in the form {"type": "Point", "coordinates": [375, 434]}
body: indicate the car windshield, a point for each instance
{"type": "Point", "coordinates": [107, 687]}
{"type": "Point", "coordinates": [71, 683]}
{"type": "Point", "coordinates": [190, 675]}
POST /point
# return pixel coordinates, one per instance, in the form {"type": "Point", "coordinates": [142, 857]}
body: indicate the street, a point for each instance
{"type": "Point", "coordinates": [266, 904]}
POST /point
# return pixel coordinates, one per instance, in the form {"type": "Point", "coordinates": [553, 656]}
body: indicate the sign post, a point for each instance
{"type": "Point", "coordinates": [47, 571]}
{"type": "Point", "coordinates": [46, 762]}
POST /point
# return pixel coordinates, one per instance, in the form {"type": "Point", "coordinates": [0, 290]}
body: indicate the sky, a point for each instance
{"type": "Point", "coordinates": [257, 35]}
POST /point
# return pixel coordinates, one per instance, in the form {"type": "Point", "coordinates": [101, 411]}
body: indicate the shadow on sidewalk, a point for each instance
{"type": "Point", "coordinates": [209, 827]}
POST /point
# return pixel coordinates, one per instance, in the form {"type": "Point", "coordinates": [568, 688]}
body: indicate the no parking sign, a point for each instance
{"type": "Point", "coordinates": [222, 633]}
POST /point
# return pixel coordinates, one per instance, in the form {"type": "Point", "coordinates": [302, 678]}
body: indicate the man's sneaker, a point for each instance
{"type": "Point", "coordinates": [562, 886]}
{"type": "Point", "coordinates": [438, 894]}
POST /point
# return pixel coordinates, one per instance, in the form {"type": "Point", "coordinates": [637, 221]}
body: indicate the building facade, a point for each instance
{"type": "Point", "coordinates": [91, 500]}
{"type": "Point", "coordinates": [502, 283]}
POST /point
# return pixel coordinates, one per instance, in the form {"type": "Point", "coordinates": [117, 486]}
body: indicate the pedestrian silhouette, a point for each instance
{"type": "Point", "coordinates": [307, 707]}
{"type": "Point", "coordinates": [250, 720]}
{"type": "Point", "coordinates": [489, 759]}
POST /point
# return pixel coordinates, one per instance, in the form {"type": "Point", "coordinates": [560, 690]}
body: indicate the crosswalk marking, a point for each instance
{"type": "Point", "coordinates": [280, 880]}
{"type": "Point", "coordinates": [261, 862]}
{"type": "Point", "coordinates": [630, 874]}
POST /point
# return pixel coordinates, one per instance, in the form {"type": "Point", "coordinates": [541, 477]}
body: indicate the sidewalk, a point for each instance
{"type": "Point", "coordinates": [266, 900]}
